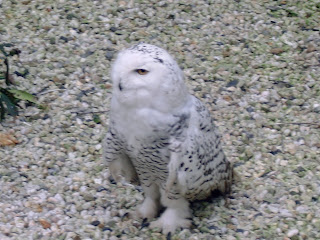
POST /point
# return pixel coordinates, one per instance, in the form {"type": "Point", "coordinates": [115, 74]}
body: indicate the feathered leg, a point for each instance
{"type": "Point", "coordinates": [175, 216]}
{"type": "Point", "coordinates": [150, 207]}
{"type": "Point", "coordinates": [118, 162]}
{"type": "Point", "coordinates": [121, 168]}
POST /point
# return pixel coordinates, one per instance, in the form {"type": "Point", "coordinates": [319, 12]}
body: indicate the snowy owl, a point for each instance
{"type": "Point", "coordinates": [162, 138]}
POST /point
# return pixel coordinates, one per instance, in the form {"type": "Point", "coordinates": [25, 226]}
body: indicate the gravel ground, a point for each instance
{"type": "Point", "coordinates": [255, 64]}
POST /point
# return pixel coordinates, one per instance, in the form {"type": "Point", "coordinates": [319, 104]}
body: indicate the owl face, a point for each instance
{"type": "Point", "coordinates": [143, 67]}
{"type": "Point", "coordinates": [144, 74]}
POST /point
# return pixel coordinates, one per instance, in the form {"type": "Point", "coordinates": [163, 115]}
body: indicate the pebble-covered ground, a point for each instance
{"type": "Point", "coordinates": [254, 62]}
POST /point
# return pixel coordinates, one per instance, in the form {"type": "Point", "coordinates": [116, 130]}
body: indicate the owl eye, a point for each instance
{"type": "Point", "coordinates": [142, 71]}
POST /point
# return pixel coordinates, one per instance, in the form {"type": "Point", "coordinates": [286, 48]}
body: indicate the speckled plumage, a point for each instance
{"type": "Point", "coordinates": [162, 137]}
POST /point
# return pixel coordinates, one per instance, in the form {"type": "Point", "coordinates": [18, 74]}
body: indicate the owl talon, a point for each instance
{"type": "Point", "coordinates": [144, 223]}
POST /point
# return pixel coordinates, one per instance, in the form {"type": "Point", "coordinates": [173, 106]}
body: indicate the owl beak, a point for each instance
{"type": "Point", "coordinates": [120, 86]}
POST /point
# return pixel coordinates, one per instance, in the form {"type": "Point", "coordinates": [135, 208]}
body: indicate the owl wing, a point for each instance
{"type": "Point", "coordinates": [118, 162]}
{"type": "Point", "coordinates": [197, 162]}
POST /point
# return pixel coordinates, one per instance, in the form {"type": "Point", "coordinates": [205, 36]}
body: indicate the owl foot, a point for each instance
{"type": "Point", "coordinates": [171, 220]}
{"type": "Point", "coordinates": [148, 209]}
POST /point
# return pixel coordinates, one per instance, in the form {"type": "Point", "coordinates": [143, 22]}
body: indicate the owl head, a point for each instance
{"type": "Point", "coordinates": [147, 76]}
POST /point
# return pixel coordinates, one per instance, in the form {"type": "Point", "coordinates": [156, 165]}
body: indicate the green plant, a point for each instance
{"type": "Point", "coordinates": [10, 97]}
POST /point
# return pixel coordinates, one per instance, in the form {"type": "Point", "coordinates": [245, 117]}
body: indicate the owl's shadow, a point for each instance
{"type": "Point", "coordinates": [215, 199]}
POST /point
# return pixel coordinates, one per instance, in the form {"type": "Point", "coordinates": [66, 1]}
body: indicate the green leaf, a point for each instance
{"type": "Point", "coordinates": [23, 95]}
{"type": "Point", "coordinates": [2, 110]}
{"type": "Point", "coordinates": [96, 119]}
{"type": "Point", "coordinates": [3, 45]}
{"type": "Point", "coordinates": [12, 98]}
{"type": "Point", "coordinates": [11, 106]}
{"type": "Point", "coordinates": [14, 52]}
{"type": "Point", "coordinates": [6, 62]}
